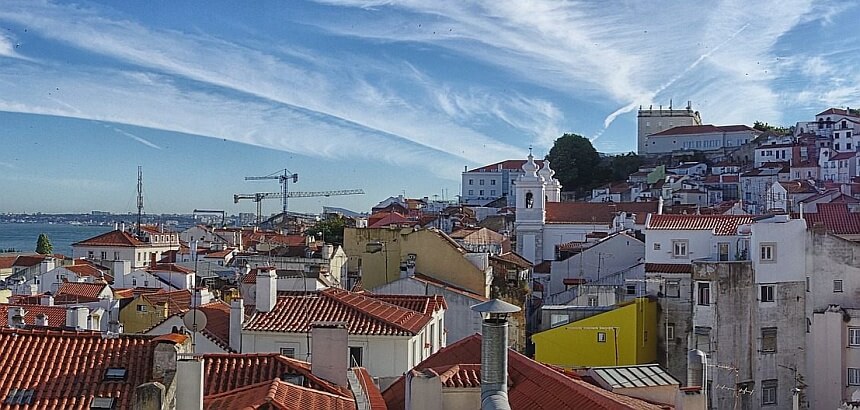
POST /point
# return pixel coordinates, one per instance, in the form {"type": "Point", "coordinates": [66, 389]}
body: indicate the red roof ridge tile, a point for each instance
{"type": "Point", "coordinates": [112, 238]}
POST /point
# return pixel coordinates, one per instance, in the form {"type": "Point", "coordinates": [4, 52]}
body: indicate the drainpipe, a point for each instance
{"type": "Point", "coordinates": [494, 353]}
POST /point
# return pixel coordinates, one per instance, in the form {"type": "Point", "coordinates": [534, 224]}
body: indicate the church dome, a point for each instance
{"type": "Point", "coordinates": [530, 167]}
{"type": "Point", "coordinates": [546, 172]}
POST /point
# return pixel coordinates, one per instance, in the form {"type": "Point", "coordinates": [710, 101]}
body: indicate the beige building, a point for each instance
{"type": "Point", "coordinates": [651, 121]}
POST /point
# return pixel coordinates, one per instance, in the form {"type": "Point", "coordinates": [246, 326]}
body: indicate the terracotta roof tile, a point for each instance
{"type": "Point", "coordinates": [843, 155]}
{"type": "Point", "coordinates": [532, 386]}
{"type": "Point", "coordinates": [217, 322]}
{"type": "Point", "coordinates": [447, 286]}
{"type": "Point", "coordinates": [718, 224]}
{"type": "Point", "coordinates": [276, 394]}
{"type": "Point", "coordinates": [837, 111]}
{"type": "Point", "coordinates": [835, 218]}
{"type": "Point", "coordinates": [66, 369]}
{"type": "Point", "coordinates": [85, 270]}
{"type": "Point", "coordinates": [392, 218]}
{"type": "Point", "coordinates": [170, 267]}
{"type": "Point", "coordinates": [594, 212]}
{"type": "Point", "coordinates": [84, 291]}
{"type": "Point", "coordinates": [701, 129]}
{"type": "Point", "coordinates": [511, 165]}
{"type": "Point", "coordinates": [29, 260]}
{"type": "Point", "coordinates": [7, 262]}
{"type": "Point", "coordinates": [177, 301]}
{"type": "Point", "coordinates": [427, 305]}
{"type": "Point", "coordinates": [56, 315]}
{"type": "Point", "coordinates": [668, 268]}
{"type": "Point", "coordinates": [374, 396]}
{"type": "Point", "coordinates": [799, 187]}
{"type": "Point", "coordinates": [295, 311]}
{"type": "Point", "coordinates": [225, 372]}
{"type": "Point", "coordinates": [112, 238]}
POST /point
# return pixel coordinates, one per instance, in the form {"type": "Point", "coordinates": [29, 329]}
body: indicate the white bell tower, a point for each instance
{"type": "Point", "coordinates": [531, 211]}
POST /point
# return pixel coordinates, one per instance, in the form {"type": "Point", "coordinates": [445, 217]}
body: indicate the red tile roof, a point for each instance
{"type": "Point", "coordinates": [594, 212]}
{"type": "Point", "coordinates": [511, 165]}
{"type": "Point", "coordinates": [217, 323]}
{"type": "Point", "coordinates": [392, 218]}
{"type": "Point", "coordinates": [225, 372]}
{"type": "Point", "coordinates": [837, 111]}
{"type": "Point", "coordinates": [513, 258]}
{"type": "Point", "coordinates": [835, 218]}
{"type": "Point", "coordinates": [447, 286]}
{"type": "Point", "coordinates": [112, 238]}
{"type": "Point", "coordinates": [799, 187]}
{"type": "Point", "coordinates": [533, 385]}
{"type": "Point", "coordinates": [459, 375]}
{"type": "Point", "coordinates": [365, 315]}
{"type": "Point", "coordinates": [843, 155]}
{"type": "Point", "coordinates": [701, 129]}
{"type": "Point", "coordinates": [80, 290]}
{"type": "Point", "coordinates": [177, 301]}
{"type": "Point", "coordinates": [718, 224]}
{"type": "Point", "coordinates": [277, 395]}
{"type": "Point", "coordinates": [427, 305]}
{"type": "Point", "coordinates": [56, 315]}
{"type": "Point", "coordinates": [668, 268]}
{"type": "Point", "coordinates": [85, 270]}
{"type": "Point", "coordinates": [29, 260]}
{"type": "Point", "coordinates": [7, 262]}
{"type": "Point", "coordinates": [170, 267]}
{"type": "Point", "coordinates": [374, 396]}
{"type": "Point", "coordinates": [220, 254]}
{"type": "Point", "coordinates": [66, 369]}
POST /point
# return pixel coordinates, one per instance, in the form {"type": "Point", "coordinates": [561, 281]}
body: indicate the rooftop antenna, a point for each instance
{"type": "Point", "coordinates": [139, 197]}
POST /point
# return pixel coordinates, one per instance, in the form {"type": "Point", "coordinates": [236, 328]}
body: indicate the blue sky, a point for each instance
{"type": "Point", "coordinates": [387, 96]}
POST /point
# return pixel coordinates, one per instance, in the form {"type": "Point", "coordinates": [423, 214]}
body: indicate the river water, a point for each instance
{"type": "Point", "coordinates": [22, 237]}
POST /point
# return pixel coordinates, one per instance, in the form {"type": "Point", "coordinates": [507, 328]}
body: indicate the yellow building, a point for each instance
{"type": "Point", "coordinates": [148, 310]}
{"type": "Point", "coordinates": [379, 253]}
{"type": "Point", "coordinates": [622, 336]}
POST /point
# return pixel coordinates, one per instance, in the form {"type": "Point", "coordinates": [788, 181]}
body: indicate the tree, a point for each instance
{"type": "Point", "coordinates": [331, 229]}
{"type": "Point", "coordinates": [43, 245]}
{"type": "Point", "coordinates": [765, 127]}
{"type": "Point", "coordinates": [575, 162]}
{"type": "Point", "coordinates": [624, 165]}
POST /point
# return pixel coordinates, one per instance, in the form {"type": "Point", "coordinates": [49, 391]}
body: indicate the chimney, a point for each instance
{"type": "Point", "coordinates": [327, 251]}
{"type": "Point", "coordinates": [120, 269]}
{"type": "Point", "coordinates": [76, 317]}
{"type": "Point", "coordinates": [46, 265]}
{"type": "Point", "coordinates": [237, 319]}
{"type": "Point", "coordinates": [660, 205]}
{"type": "Point", "coordinates": [41, 320]}
{"type": "Point", "coordinates": [15, 316]}
{"type": "Point", "coordinates": [152, 260]}
{"type": "Point", "coordinates": [494, 353]}
{"type": "Point", "coordinates": [697, 371]}
{"type": "Point", "coordinates": [47, 299]}
{"type": "Point", "coordinates": [34, 289]}
{"type": "Point", "coordinates": [329, 351]}
{"type": "Point", "coordinates": [201, 297]}
{"type": "Point", "coordinates": [189, 383]}
{"type": "Point", "coordinates": [267, 288]}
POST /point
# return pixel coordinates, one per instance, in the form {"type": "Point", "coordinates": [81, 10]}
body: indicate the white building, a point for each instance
{"type": "Point", "coordinates": [699, 138]}
{"type": "Point", "coordinates": [651, 121]}
{"type": "Point", "coordinates": [119, 245]}
{"type": "Point", "coordinates": [490, 182]}
{"type": "Point", "coordinates": [386, 335]}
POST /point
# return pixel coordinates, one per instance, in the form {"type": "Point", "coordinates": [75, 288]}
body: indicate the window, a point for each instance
{"type": "Point", "coordinates": [601, 337]}
{"type": "Point", "coordinates": [557, 319]}
{"type": "Point", "coordinates": [853, 376]}
{"type": "Point", "coordinates": [631, 289]}
{"type": "Point", "coordinates": [670, 332]}
{"type": "Point", "coordinates": [656, 246]}
{"type": "Point", "coordinates": [592, 301]}
{"type": "Point", "coordinates": [19, 396]}
{"type": "Point", "coordinates": [481, 182]}
{"type": "Point", "coordinates": [104, 255]}
{"type": "Point", "coordinates": [481, 192]}
{"type": "Point", "coordinates": [767, 292]}
{"type": "Point", "coordinates": [355, 355]}
{"type": "Point", "coordinates": [471, 192]}
{"type": "Point", "coordinates": [90, 255]}
{"type": "Point", "coordinates": [133, 282]}
{"type": "Point", "coordinates": [768, 252]}
{"type": "Point", "coordinates": [103, 403]}
{"type": "Point", "coordinates": [704, 294]}
{"type": "Point", "coordinates": [141, 308]}
{"type": "Point", "coordinates": [673, 288]}
{"type": "Point", "coordinates": [723, 249]}
{"type": "Point", "coordinates": [768, 392]}
{"type": "Point", "coordinates": [679, 248]}
{"type": "Point", "coordinates": [471, 182]}
{"type": "Point", "coordinates": [116, 256]}
{"type": "Point", "coordinates": [115, 373]}
{"type": "Point", "coordinates": [768, 339]}
{"type": "Point", "coordinates": [493, 192]}
{"type": "Point", "coordinates": [492, 182]}
{"type": "Point", "coordinates": [854, 336]}
{"type": "Point", "coordinates": [807, 283]}
{"type": "Point", "coordinates": [837, 286]}
{"type": "Point", "coordinates": [288, 352]}
{"type": "Point", "coordinates": [414, 352]}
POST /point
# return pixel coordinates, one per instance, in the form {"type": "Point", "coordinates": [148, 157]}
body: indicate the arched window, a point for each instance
{"type": "Point", "coordinates": [529, 200]}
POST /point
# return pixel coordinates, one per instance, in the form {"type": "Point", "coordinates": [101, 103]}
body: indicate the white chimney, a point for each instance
{"type": "Point", "coordinates": [46, 265]}
{"type": "Point", "coordinates": [77, 317]}
{"type": "Point", "coordinates": [201, 297]}
{"type": "Point", "coordinates": [15, 316]}
{"type": "Point", "coordinates": [41, 320]}
{"type": "Point", "coordinates": [237, 319]}
{"type": "Point", "coordinates": [330, 351]}
{"type": "Point", "coordinates": [120, 269]}
{"type": "Point", "coordinates": [189, 383]}
{"type": "Point", "coordinates": [267, 289]}
{"type": "Point", "coordinates": [34, 289]}
{"type": "Point", "coordinates": [327, 251]}
{"type": "Point", "coordinates": [47, 299]}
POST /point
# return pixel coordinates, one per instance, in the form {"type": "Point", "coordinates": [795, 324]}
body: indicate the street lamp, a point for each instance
{"type": "Point", "coordinates": [375, 247]}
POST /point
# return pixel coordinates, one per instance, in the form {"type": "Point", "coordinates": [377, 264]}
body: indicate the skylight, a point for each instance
{"type": "Point", "coordinates": [19, 396]}
{"type": "Point", "coordinates": [115, 373]}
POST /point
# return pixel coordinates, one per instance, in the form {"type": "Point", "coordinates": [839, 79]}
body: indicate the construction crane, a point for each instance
{"type": "Point", "coordinates": [212, 212]}
{"type": "Point", "coordinates": [283, 176]}
{"type": "Point", "coordinates": [260, 196]}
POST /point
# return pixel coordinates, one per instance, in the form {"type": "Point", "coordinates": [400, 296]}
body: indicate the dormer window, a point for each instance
{"type": "Point", "coordinates": [115, 373]}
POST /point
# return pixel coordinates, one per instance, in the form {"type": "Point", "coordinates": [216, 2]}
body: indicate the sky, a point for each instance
{"type": "Point", "coordinates": [392, 97]}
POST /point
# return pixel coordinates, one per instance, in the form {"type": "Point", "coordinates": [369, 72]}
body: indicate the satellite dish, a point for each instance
{"type": "Point", "coordinates": [195, 316]}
